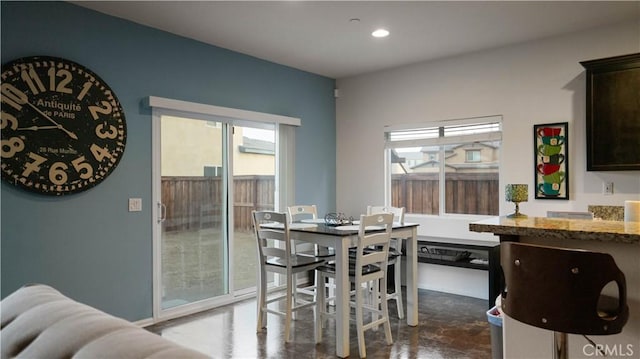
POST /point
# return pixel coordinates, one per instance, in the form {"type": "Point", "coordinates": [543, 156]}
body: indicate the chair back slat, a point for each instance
{"type": "Point", "coordinates": [299, 212]}
{"type": "Point", "coordinates": [398, 212]}
{"type": "Point", "coordinates": [375, 242]}
{"type": "Point", "coordinates": [272, 233]}
{"type": "Point", "coordinates": [272, 236]}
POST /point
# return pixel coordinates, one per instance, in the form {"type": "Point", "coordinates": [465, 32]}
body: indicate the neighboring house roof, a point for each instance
{"type": "Point", "coordinates": [458, 166]}
{"type": "Point", "coordinates": [475, 145]}
{"type": "Point", "coordinates": [475, 165]}
{"type": "Point", "coordinates": [254, 145]}
{"type": "Point", "coordinates": [395, 158]}
{"type": "Point", "coordinates": [427, 164]}
{"type": "Point", "coordinates": [430, 164]}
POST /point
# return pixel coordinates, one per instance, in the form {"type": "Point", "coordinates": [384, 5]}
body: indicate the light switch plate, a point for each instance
{"type": "Point", "coordinates": [135, 204]}
{"type": "Point", "coordinates": [607, 188]}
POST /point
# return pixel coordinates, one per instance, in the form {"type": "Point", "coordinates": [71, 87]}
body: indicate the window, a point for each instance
{"type": "Point", "coordinates": [473, 155]}
{"type": "Point", "coordinates": [449, 167]}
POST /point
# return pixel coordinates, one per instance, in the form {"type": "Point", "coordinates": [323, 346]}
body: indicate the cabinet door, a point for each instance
{"type": "Point", "coordinates": [613, 113]}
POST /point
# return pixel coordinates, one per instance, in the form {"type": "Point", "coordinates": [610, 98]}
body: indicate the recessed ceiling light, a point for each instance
{"type": "Point", "coordinates": [380, 33]}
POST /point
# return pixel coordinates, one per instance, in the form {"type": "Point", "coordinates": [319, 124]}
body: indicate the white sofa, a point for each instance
{"type": "Point", "coordinates": [37, 321]}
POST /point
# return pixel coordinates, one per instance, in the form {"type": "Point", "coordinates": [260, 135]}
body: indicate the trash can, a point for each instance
{"type": "Point", "coordinates": [495, 324]}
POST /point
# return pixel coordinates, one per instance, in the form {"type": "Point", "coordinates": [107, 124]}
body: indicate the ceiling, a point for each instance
{"type": "Point", "coordinates": [319, 36]}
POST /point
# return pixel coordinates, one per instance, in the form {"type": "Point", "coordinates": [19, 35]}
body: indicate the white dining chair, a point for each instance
{"type": "Point", "coordinates": [275, 255]}
{"type": "Point", "coordinates": [309, 212]}
{"type": "Point", "coordinates": [367, 270]}
{"type": "Point", "coordinates": [395, 255]}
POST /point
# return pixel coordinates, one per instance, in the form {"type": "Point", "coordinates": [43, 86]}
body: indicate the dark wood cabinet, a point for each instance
{"type": "Point", "coordinates": [613, 113]}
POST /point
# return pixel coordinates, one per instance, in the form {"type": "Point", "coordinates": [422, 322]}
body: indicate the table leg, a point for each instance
{"type": "Point", "coordinates": [342, 298]}
{"type": "Point", "coordinates": [412, 278]}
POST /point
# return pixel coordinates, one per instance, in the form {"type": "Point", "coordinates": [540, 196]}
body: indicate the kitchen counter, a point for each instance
{"type": "Point", "coordinates": [561, 228]}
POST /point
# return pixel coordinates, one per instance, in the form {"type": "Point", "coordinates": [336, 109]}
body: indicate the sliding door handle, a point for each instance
{"type": "Point", "coordinates": [162, 208]}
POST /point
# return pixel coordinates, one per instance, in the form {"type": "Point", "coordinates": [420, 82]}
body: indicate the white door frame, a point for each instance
{"type": "Point", "coordinates": [284, 180]}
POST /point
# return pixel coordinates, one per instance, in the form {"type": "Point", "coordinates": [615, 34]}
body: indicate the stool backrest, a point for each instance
{"type": "Point", "coordinates": [560, 289]}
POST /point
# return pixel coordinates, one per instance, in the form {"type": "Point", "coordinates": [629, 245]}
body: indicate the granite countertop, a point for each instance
{"type": "Point", "coordinates": [561, 228]}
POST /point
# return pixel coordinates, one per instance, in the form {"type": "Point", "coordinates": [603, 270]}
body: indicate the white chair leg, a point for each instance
{"type": "Point", "coordinates": [385, 313]}
{"type": "Point", "coordinates": [295, 295]}
{"type": "Point", "coordinates": [376, 297]}
{"type": "Point", "coordinates": [332, 291]}
{"type": "Point", "coordinates": [262, 297]}
{"type": "Point", "coordinates": [360, 321]}
{"type": "Point", "coordinates": [320, 306]}
{"type": "Point", "coordinates": [397, 272]}
{"type": "Point", "coordinates": [289, 304]}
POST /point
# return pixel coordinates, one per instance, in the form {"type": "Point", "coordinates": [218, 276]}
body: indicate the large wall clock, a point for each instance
{"type": "Point", "coordinates": [63, 128]}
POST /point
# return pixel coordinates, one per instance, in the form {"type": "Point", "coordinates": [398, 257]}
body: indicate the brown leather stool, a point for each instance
{"type": "Point", "coordinates": [561, 290]}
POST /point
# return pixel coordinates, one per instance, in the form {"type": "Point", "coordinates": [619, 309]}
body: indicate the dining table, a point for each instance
{"type": "Point", "coordinates": [343, 237]}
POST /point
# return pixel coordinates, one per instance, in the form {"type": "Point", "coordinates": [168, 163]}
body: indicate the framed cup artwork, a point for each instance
{"type": "Point", "coordinates": [551, 160]}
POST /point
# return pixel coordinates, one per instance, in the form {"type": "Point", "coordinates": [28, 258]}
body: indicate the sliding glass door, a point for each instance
{"type": "Point", "coordinates": [212, 166]}
{"type": "Point", "coordinates": [210, 173]}
{"type": "Point", "coordinates": [254, 184]}
{"type": "Point", "coordinates": [194, 247]}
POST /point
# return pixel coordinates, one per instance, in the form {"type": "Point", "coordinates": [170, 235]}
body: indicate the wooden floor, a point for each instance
{"type": "Point", "coordinates": [450, 326]}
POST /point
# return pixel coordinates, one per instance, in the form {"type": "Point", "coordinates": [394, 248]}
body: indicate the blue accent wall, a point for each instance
{"type": "Point", "coordinates": [88, 245]}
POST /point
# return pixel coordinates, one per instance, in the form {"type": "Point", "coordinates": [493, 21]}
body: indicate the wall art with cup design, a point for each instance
{"type": "Point", "coordinates": [551, 143]}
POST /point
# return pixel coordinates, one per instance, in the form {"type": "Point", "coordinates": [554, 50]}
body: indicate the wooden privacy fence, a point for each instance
{"type": "Point", "coordinates": [468, 193]}
{"type": "Point", "coordinates": [194, 203]}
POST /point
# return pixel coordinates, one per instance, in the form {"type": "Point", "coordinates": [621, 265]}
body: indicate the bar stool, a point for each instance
{"type": "Point", "coordinates": [561, 290]}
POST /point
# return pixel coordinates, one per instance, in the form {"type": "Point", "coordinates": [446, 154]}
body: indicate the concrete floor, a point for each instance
{"type": "Point", "coordinates": [450, 326]}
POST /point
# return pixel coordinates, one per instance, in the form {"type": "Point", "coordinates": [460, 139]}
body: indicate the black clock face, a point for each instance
{"type": "Point", "coordinates": [63, 129]}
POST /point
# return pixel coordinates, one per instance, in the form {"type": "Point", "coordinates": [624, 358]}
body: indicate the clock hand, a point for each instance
{"type": "Point", "coordinates": [35, 128]}
{"type": "Point", "coordinates": [69, 133]}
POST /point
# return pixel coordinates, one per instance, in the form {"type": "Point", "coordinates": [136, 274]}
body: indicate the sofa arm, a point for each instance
{"type": "Point", "coordinates": [37, 321]}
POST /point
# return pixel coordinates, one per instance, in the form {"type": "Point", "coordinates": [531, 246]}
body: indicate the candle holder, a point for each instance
{"type": "Point", "coordinates": [516, 193]}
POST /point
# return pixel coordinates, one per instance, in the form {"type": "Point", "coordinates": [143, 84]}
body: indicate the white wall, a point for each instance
{"type": "Point", "coordinates": [530, 83]}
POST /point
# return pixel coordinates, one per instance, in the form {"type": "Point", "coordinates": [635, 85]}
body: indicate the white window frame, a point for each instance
{"type": "Point", "coordinates": [434, 134]}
